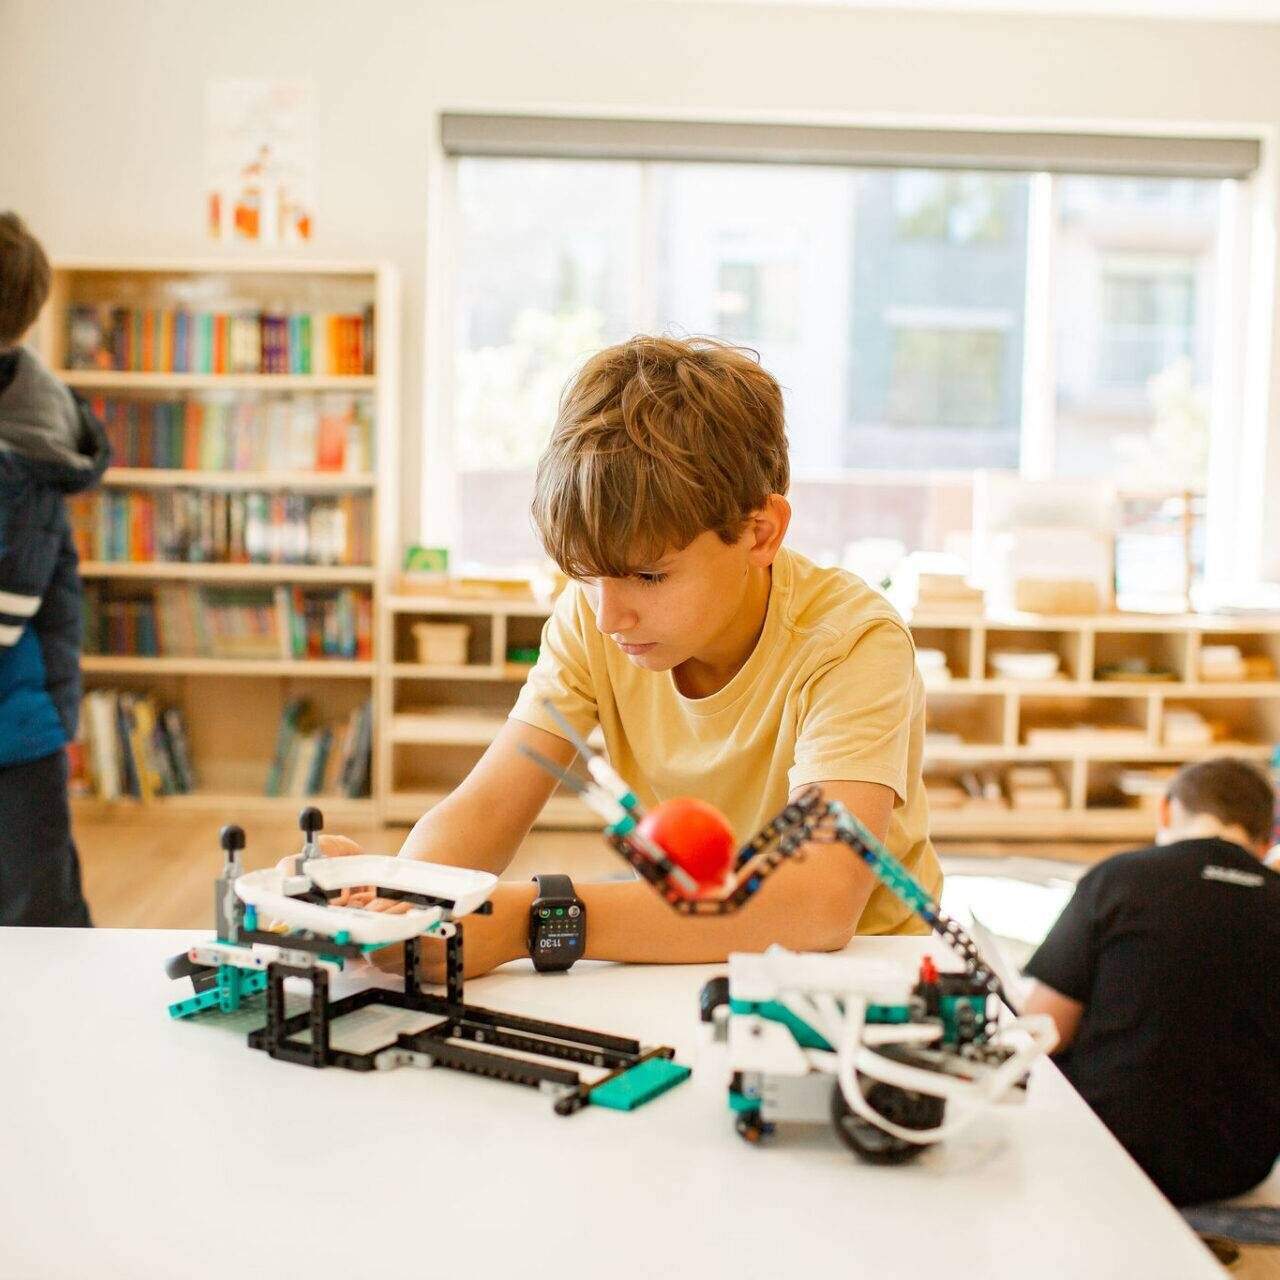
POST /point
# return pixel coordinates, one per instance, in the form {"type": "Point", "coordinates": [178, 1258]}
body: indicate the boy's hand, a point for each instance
{"type": "Point", "coordinates": [332, 847]}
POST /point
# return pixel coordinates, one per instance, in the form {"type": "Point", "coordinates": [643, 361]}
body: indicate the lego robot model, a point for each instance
{"type": "Point", "coordinates": [273, 925]}
{"type": "Point", "coordinates": [824, 1037]}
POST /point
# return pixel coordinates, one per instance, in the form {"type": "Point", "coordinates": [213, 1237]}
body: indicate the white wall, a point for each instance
{"type": "Point", "coordinates": [101, 104]}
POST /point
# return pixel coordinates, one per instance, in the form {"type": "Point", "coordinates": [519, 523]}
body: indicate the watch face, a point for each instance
{"type": "Point", "coordinates": [557, 932]}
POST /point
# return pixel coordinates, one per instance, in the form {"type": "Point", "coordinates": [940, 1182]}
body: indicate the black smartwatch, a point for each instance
{"type": "Point", "coordinates": [557, 925]}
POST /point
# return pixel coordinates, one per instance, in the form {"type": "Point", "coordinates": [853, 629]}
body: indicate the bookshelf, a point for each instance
{"type": "Point", "coordinates": [1002, 722]}
{"type": "Point", "coordinates": [235, 391]}
{"type": "Point", "coordinates": [437, 719]}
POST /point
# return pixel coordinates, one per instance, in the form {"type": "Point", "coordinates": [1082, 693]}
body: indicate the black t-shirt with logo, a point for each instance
{"type": "Point", "coordinates": [1174, 952]}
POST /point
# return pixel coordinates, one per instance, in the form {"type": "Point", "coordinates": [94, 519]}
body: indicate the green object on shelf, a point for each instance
{"type": "Point", "coordinates": [523, 655]}
{"type": "Point", "coordinates": [426, 559]}
{"type": "Point", "coordinates": [639, 1084]}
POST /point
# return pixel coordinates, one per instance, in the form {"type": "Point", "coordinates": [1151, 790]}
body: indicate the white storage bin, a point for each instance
{"type": "Point", "coordinates": [442, 644]}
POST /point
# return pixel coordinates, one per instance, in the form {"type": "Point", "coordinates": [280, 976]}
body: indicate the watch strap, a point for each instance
{"type": "Point", "coordinates": [554, 886]}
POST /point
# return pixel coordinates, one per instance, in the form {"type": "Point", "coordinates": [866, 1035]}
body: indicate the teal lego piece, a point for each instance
{"type": "Point", "coordinates": [806, 1036]}
{"type": "Point", "coordinates": [888, 870]}
{"type": "Point", "coordinates": [639, 1084]}
{"type": "Point", "coordinates": [740, 1102]}
{"type": "Point", "coordinates": [230, 987]}
{"type": "Point", "coordinates": [881, 1013]}
{"type": "Point", "coordinates": [249, 982]}
{"type": "Point", "coordinates": [949, 1008]}
{"type": "Point", "coordinates": [251, 919]}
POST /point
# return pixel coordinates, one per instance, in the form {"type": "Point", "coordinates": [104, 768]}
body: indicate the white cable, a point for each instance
{"type": "Point", "coordinates": [855, 1055]}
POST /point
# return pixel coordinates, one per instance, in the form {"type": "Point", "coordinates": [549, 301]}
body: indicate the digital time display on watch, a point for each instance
{"type": "Point", "coordinates": [557, 925]}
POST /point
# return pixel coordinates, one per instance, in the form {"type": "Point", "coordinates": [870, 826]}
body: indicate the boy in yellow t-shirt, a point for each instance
{"type": "Point", "coordinates": [717, 662]}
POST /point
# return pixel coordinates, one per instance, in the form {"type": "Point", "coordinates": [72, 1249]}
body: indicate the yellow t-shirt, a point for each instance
{"type": "Point", "coordinates": [829, 693]}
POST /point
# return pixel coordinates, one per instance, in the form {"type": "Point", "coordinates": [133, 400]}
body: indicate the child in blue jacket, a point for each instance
{"type": "Point", "coordinates": [50, 446]}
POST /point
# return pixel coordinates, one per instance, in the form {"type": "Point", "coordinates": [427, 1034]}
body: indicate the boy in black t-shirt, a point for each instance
{"type": "Point", "coordinates": [1163, 976]}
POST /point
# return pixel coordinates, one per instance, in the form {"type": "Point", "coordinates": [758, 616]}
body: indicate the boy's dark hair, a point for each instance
{"type": "Point", "coordinates": [1232, 790]}
{"type": "Point", "coordinates": [24, 279]}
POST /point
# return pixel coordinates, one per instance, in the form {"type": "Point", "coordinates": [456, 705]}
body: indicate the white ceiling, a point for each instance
{"type": "Point", "coordinates": [1194, 10]}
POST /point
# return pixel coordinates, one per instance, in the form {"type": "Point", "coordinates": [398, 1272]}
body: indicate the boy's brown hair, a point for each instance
{"type": "Point", "coordinates": [1232, 790]}
{"type": "Point", "coordinates": [658, 440]}
{"type": "Point", "coordinates": [24, 279]}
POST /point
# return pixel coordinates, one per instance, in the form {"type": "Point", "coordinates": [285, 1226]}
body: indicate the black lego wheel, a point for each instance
{"type": "Point", "coordinates": [903, 1107]}
{"type": "Point", "coordinates": [751, 1128]}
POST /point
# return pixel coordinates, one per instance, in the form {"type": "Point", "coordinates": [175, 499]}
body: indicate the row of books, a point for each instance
{"type": "Point", "coordinates": [202, 527]}
{"type": "Point", "coordinates": [318, 758]}
{"type": "Point", "coordinates": [129, 745]}
{"type": "Point", "coordinates": [176, 620]}
{"type": "Point", "coordinates": [243, 340]}
{"type": "Point", "coordinates": [217, 433]}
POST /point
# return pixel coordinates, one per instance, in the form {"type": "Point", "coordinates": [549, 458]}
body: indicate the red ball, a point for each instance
{"type": "Point", "coordinates": [695, 835]}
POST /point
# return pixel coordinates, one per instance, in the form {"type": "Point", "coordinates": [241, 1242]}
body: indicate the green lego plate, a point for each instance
{"type": "Point", "coordinates": [639, 1084]}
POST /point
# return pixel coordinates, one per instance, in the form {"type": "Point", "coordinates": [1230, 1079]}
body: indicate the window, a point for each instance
{"type": "Point", "coordinates": [1147, 322]}
{"type": "Point", "coordinates": [962, 208]}
{"type": "Point", "coordinates": [1135, 270]}
{"type": "Point", "coordinates": [890, 304]}
{"type": "Point", "coordinates": [948, 377]}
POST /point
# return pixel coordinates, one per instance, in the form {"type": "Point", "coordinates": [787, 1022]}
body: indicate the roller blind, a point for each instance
{"type": "Point", "coordinates": [573, 137]}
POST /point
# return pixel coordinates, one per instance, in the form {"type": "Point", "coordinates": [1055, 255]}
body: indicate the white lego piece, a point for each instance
{"type": "Point", "coordinates": [760, 1044]}
{"type": "Point", "coordinates": [263, 890]}
{"type": "Point", "coordinates": [767, 975]}
{"type": "Point", "coordinates": [806, 1098]}
{"type": "Point", "coordinates": [464, 888]}
{"type": "Point", "coordinates": [256, 957]}
{"type": "Point", "coordinates": [374, 1028]}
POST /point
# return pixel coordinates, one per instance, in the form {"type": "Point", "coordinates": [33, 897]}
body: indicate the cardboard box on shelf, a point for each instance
{"type": "Point", "coordinates": [1084, 738]}
{"type": "Point", "coordinates": [1062, 596]}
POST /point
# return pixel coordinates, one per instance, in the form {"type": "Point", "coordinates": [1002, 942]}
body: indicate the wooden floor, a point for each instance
{"type": "Point", "coordinates": [140, 873]}
{"type": "Point", "coordinates": [144, 873]}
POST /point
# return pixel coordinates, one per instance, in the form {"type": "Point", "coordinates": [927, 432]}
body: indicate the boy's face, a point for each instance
{"type": "Point", "coordinates": [683, 604]}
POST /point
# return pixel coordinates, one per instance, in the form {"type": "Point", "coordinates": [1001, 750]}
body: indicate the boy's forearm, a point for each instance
{"type": "Point", "coordinates": [804, 908]}
{"type": "Point", "coordinates": [457, 833]}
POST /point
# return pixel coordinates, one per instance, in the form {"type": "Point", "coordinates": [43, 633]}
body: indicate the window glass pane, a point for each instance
{"type": "Point", "coordinates": [544, 276]}
{"type": "Point", "coordinates": [936, 340]}
{"type": "Point", "coordinates": [762, 255]}
{"type": "Point", "coordinates": [1134, 272]}
{"type": "Point", "coordinates": [890, 305]}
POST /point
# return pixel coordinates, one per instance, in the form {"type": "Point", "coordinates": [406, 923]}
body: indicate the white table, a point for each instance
{"type": "Point", "coordinates": [134, 1146]}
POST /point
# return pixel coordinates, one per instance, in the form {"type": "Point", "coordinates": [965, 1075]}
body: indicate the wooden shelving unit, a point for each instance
{"type": "Point", "coordinates": [231, 706]}
{"type": "Point", "coordinates": [438, 719]}
{"type": "Point", "coordinates": [993, 715]}
{"type": "Point", "coordinates": [230, 481]}
{"type": "Point", "coordinates": [111, 380]}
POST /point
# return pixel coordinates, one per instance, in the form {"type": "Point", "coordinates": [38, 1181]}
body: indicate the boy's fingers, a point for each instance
{"type": "Point", "coordinates": [331, 846]}
{"type": "Point", "coordinates": [389, 905]}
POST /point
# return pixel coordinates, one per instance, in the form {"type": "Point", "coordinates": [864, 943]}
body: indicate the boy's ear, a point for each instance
{"type": "Point", "coordinates": [767, 528]}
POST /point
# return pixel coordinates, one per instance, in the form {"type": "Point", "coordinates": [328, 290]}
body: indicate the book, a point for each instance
{"type": "Point", "coordinates": [212, 432]}
{"type": "Point", "coordinates": [163, 339]}
{"type": "Point", "coordinates": [197, 526]}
